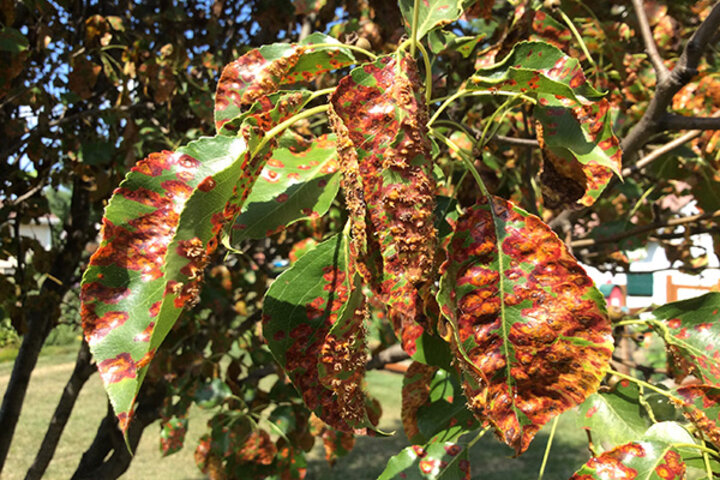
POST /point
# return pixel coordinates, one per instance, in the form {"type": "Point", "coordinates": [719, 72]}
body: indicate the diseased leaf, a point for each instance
{"type": "Point", "coordinates": [172, 435]}
{"type": "Point", "coordinates": [532, 336]}
{"type": "Point", "coordinates": [445, 456]}
{"type": "Point", "coordinates": [158, 231]}
{"type": "Point", "coordinates": [313, 322]}
{"type": "Point", "coordinates": [702, 407]}
{"type": "Point", "coordinates": [379, 116]}
{"type": "Point", "coordinates": [615, 415]}
{"type": "Point", "coordinates": [646, 460]}
{"type": "Point", "coordinates": [335, 443]}
{"type": "Point", "coordinates": [693, 339]}
{"type": "Point", "coordinates": [581, 151]}
{"type": "Point", "coordinates": [441, 41]}
{"type": "Point", "coordinates": [263, 70]}
{"type": "Point", "coordinates": [292, 186]}
{"type": "Point", "coordinates": [415, 393]}
{"type": "Point", "coordinates": [676, 434]}
{"type": "Point", "coordinates": [432, 14]}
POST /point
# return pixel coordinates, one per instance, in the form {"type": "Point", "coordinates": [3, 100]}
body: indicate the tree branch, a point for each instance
{"type": "Point", "coordinates": [685, 69]}
{"type": "Point", "coordinates": [660, 151]}
{"type": "Point", "coordinates": [673, 222]}
{"type": "Point", "coordinates": [661, 70]}
{"type": "Point", "coordinates": [392, 354]}
{"type": "Point", "coordinates": [681, 122]}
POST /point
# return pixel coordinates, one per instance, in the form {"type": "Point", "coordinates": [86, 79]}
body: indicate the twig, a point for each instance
{"type": "Point", "coordinates": [681, 122]}
{"type": "Point", "coordinates": [650, 46]}
{"type": "Point", "coordinates": [392, 354]}
{"type": "Point", "coordinates": [685, 69]}
{"type": "Point", "coordinates": [660, 151]}
{"type": "Point", "coordinates": [673, 222]}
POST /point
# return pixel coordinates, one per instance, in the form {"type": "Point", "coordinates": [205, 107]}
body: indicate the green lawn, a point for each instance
{"type": "Point", "coordinates": [490, 459]}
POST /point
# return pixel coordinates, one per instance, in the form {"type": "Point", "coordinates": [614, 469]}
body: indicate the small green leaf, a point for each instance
{"type": "Point", "coordinates": [432, 14]}
{"type": "Point", "coordinates": [12, 41]}
{"type": "Point", "coordinates": [212, 393]}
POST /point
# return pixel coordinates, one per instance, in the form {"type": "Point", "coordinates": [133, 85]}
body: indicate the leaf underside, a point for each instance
{"type": "Point", "coordinates": [532, 335]}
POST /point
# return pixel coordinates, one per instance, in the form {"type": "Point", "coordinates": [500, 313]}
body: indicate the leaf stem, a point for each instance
{"type": "Point", "coordinates": [706, 460]}
{"type": "Point", "coordinates": [645, 384]}
{"type": "Point", "coordinates": [478, 437]}
{"type": "Point", "coordinates": [320, 93]}
{"type": "Point", "coordinates": [702, 448]}
{"type": "Point", "coordinates": [413, 34]}
{"type": "Point", "coordinates": [428, 72]}
{"type": "Point", "coordinates": [471, 93]}
{"type": "Point", "coordinates": [547, 447]}
{"type": "Point", "coordinates": [577, 36]}
{"type": "Point", "coordinates": [279, 128]}
{"type": "Point", "coordinates": [355, 48]}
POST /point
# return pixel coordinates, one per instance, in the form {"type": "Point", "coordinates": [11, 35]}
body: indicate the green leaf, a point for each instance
{"type": "Point", "coordinates": [644, 460]}
{"type": "Point", "coordinates": [530, 329]}
{"type": "Point", "coordinates": [212, 393]}
{"type": "Point", "coordinates": [379, 115]}
{"type": "Point", "coordinates": [313, 323]}
{"type": "Point", "coordinates": [692, 333]}
{"type": "Point", "coordinates": [263, 70]}
{"type": "Point", "coordinates": [615, 416]}
{"type": "Point", "coordinates": [441, 41]}
{"type": "Point", "coordinates": [159, 229]}
{"type": "Point", "coordinates": [582, 152]}
{"type": "Point", "coordinates": [292, 186]}
{"type": "Point", "coordinates": [432, 14]}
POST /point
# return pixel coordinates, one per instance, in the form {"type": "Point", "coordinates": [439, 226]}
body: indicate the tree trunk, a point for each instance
{"type": "Point", "coordinates": [95, 462]}
{"type": "Point", "coordinates": [83, 369]}
{"type": "Point", "coordinates": [42, 312]}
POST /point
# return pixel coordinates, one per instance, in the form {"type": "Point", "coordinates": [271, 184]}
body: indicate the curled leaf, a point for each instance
{"type": "Point", "coordinates": [415, 394]}
{"type": "Point", "coordinates": [693, 328]}
{"type": "Point", "coordinates": [581, 152]}
{"type": "Point", "coordinates": [379, 116]}
{"type": "Point", "coordinates": [263, 70]}
{"type": "Point", "coordinates": [313, 321]}
{"type": "Point", "coordinates": [701, 405]}
{"type": "Point", "coordinates": [532, 336]}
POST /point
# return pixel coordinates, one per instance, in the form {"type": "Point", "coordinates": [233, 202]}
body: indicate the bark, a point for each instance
{"type": "Point", "coordinates": [42, 313]}
{"type": "Point", "coordinates": [83, 369]}
{"type": "Point", "coordinates": [108, 456]}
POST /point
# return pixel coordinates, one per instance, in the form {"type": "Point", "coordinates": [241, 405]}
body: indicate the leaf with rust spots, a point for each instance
{"type": "Point", "coordinates": [644, 460]}
{"type": "Point", "coordinates": [293, 186]}
{"type": "Point", "coordinates": [701, 405]}
{"type": "Point", "coordinates": [335, 443]}
{"type": "Point", "coordinates": [432, 14]}
{"type": "Point", "coordinates": [379, 115]}
{"type": "Point", "coordinates": [614, 415]}
{"type": "Point", "coordinates": [313, 321]}
{"type": "Point", "coordinates": [159, 229]}
{"type": "Point", "coordinates": [263, 70]}
{"type": "Point", "coordinates": [581, 151]}
{"type": "Point", "coordinates": [443, 457]}
{"type": "Point", "coordinates": [693, 337]}
{"type": "Point", "coordinates": [531, 333]}
{"type": "Point", "coordinates": [172, 435]}
{"type": "Point", "coordinates": [415, 393]}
